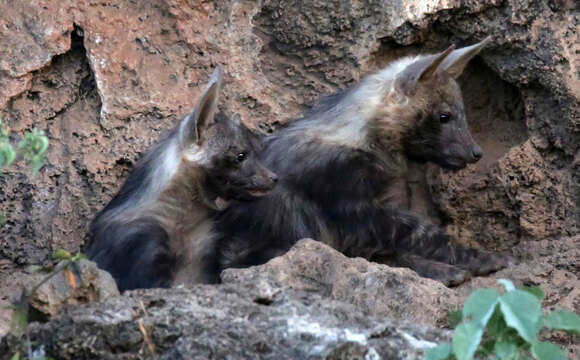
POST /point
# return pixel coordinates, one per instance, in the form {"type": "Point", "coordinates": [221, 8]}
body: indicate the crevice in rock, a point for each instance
{"type": "Point", "coordinates": [59, 97]}
{"type": "Point", "coordinates": [495, 113]}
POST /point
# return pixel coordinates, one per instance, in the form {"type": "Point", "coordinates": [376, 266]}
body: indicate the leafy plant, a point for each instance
{"type": "Point", "coordinates": [505, 327]}
{"type": "Point", "coordinates": [31, 148]}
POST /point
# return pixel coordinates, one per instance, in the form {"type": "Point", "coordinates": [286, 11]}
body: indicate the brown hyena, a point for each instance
{"type": "Point", "coordinates": [154, 232]}
{"type": "Point", "coordinates": [339, 163]}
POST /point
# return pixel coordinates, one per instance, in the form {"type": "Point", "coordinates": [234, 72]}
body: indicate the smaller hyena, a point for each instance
{"type": "Point", "coordinates": [340, 169]}
{"type": "Point", "coordinates": [157, 229]}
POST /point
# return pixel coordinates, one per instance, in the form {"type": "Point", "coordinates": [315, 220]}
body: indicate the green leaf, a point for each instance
{"type": "Point", "coordinates": [7, 153]}
{"type": "Point", "coordinates": [18, 322]}
{"type": "Point", "coordinates": [536, 291]}
{"type": "Point", "coordinates": [33, 146]}
{"type": "Point", "coordinates": [61, 254]}
{"type": "Point", "coordinates": [548, 351]}
{"type": "Point", "coordinates": [562, 320]}
{"type": "Point", "coordinates": [16, 356]}
{"type": "Point", "coordinates": [36, 164]}
{"type": "Point", "coordinates": [480, 306]}
{"type": "Point", "coordinates": [466, 338]}
{"type": "Point", "coordinates": [522, 311]}
{"type": "Point", "coordinates": [2, 219]}
{"type": "Point", "coordinates": [508, 284]}
{"type": "Point", "coordinates": [78, 256]}
{"type": "Point", "coordinates": [505, 350]}
{"type": "Point", "coordinates": [439, 352]}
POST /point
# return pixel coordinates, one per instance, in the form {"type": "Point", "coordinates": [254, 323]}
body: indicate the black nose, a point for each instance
{"type": "Point", "coordinates": [274, 178]}
{"type": "Point", "coordinates": [477, 153]}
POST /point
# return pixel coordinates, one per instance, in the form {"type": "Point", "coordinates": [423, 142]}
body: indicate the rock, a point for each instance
{"type": "Point", "coordinates": [374, 289]}
{"type": "Point", "coordinates": [223, 321]}
{"type": "Point", "coordinates": [80, 284]}
{"type": "Point", "coordinates": [549, 265]}
{"type": "Point", "coordinates": [85, 284]}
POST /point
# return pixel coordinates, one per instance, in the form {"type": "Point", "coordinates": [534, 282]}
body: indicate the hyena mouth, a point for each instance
{"type": "Point", "coordinates": [259, 193]}
{"type": "Point", "coordinates": [455, 165]}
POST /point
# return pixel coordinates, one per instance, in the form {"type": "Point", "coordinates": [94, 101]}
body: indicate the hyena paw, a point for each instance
{"type": "Point", "coordinates": [486, 263]}
{"type": "Point", "coordinates": [449, 275]}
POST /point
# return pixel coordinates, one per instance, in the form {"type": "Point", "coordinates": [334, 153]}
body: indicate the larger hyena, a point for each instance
{"type": "Point", "coordinates": [338, 166]}
{"type": "Point", "coordinates": [154, 232]}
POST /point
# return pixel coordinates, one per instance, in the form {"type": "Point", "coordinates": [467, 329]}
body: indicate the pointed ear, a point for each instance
{"type": "Point", "coordinates": [420, 70]}
{"type": "Point", "coordinates": [192, 128]}
{"type": "Point", "coordinates": [237, 119]}
{"type": "Point", "coordinates": [455, 63]}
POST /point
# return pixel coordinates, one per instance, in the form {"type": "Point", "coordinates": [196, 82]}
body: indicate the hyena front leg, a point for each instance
{"type": "Point", "coordinates": [431, 242]}
{"type": "Point", "coordinates": [385, 230]}
{"type": "Point", "coordinates": [449, 275]}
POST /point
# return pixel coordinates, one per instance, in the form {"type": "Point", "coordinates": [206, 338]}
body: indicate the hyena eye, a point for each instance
{"type": "Point", "coordinates": [443, 118]}
{"type": "Point", "coordinates": [241, 157]}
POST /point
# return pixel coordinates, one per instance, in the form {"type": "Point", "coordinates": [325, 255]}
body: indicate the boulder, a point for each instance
{"type": "Point", "coordinates": [374, 289]}
{"type": "Point", "coordinates": [246, 318]}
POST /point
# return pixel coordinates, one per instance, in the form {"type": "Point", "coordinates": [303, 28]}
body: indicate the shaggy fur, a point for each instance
{"type": "Point", "coordinates": [338, 167]}
{"type": "Point", "coordinates": [157, 229]}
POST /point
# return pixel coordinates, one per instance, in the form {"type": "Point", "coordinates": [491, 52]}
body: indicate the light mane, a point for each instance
{"type": "Point", "coordinates": [167, 161]}
{"type": "Point", "coordinates": [346, 123]}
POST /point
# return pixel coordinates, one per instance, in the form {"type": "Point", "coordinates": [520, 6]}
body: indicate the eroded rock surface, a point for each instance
{"type": "Point", "coordinates": [311, 303]}
{"type": "Point", "coordinates": [244, 319]}
{"type": "Point", "coordinates": [79, 283]}
{"type": "Point", "coordinates": [373, 288]}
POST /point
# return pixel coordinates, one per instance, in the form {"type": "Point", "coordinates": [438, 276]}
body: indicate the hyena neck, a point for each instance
{"type": "Point", "coordinates": [189, 192]}
{"type": "Point", "coordinates": [368, 117]}
{"type": "Point", "coordinates": [184, 202]}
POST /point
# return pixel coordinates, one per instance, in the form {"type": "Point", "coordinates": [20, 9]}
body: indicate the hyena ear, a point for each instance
{"type": "Point", "coordinates": [192, 128]}
{"type": "Point", "coordinates": [420, 70]}
{"type": "Point", "coordinates": [237, 119]}
{"type": "Point", "coordinates": [455, 63]}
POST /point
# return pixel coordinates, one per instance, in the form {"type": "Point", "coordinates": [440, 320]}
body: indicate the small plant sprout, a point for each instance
{"type": "Point", "coordinates": [505, 327]}
{"type": "Point", "coordinates": [32, 148]}
{"type": "Point", "coordinates": [7, 153]}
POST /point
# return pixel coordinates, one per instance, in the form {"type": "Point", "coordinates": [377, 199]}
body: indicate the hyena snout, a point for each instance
{"type": "Point", "coordinates": [265, 179]}
{"type": "Point", "coordinates": [476, 154]}
{"type": "Point", "coordinates": [260, 183]}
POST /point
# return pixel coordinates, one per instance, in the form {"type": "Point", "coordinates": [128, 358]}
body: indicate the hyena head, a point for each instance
{"type": "Point", "coordinates": [431, 107]}
{"type": "Point", "coordinates": [224, 149]}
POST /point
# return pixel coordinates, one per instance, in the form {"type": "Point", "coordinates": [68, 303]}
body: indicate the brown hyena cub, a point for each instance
{"type": "Point", "coordinates": [157, 229]}
{"type": "Point", "coordinates": [338, 164]}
